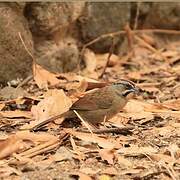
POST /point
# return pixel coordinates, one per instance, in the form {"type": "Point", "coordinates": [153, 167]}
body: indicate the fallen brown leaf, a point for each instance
{"type": "Point", "coordinates": [136, 151]}
{"type": "Point", "coordinates": [55, 102]}
{"type": "Point", "coordinates": [110, 171]}
{"type": "Point", "coordinates": [16, 114]}
{"type": "Point", "coordinates": [43, 78]}
{"type": "Point", "coordinates": [107, 155]}
{"type": "Point", "coordinates": [92, 138]}
{"type": "Point", "coordinates": [10, 145]}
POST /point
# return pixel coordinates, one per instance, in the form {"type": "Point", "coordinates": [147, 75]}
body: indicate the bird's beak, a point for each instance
{"type": "Point", "coordinates": [137, 90]}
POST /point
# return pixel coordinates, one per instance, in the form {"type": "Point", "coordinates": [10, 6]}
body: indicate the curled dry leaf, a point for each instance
{"type": "Point", "coordinates": [43, 78]}
{"type": "Point", "coordinates": [55, 102]}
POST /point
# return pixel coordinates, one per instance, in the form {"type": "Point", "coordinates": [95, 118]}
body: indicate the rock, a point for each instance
{"type": "Point", "coordinates": [102, 18]}
{"type": "Point", "coordinates": [61, 57]}
{"type": "Point", "coordinates": [15, 61]}
{"type": "Point", "coordinates": [46, 17]}
{"type": "Point", "coordinates": [9, 92]}
{"type": "Point", "coordinates": [164, 16]}
{"type": "Point", "coordinates": [52, 26]}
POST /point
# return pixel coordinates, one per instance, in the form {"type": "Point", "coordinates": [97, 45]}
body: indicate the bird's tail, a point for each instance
{"type": "Point", "coordinates": [65, 114]}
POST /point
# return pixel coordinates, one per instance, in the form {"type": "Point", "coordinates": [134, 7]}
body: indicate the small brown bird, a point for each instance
{"type": "Point", "coordinates": [100, 105]}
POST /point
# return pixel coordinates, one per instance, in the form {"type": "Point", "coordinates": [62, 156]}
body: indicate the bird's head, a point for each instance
{"type": "Point", "coordinates": [126, 88]}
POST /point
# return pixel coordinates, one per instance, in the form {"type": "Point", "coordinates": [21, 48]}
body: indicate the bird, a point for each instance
{"type": "Point", "coordinates": [101, 104]}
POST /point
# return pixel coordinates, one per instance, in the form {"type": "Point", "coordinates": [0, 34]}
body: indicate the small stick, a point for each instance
{"type": "Point", "coordinates": [137, 15]}
{"type": "Point", "coordinates": [151, 48]}
{"type": "Point", "coordinates": [108, 58]}
{"type": "Point", "coordinates": [117, 33]}
{"type": "Point", "coordinates": [26, 80]}
{"type": "Point", "coordinates": [111, 130]}
{"type": "Point", "coordinates": [86, 125]}
{"type": "Point", "coordinates": [130, 37]}
{"type": "Point", "coordinates": [25, 46]}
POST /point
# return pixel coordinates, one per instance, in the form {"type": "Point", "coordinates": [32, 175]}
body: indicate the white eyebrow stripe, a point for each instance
{"type": "Point", "coordinates": [122, 81]}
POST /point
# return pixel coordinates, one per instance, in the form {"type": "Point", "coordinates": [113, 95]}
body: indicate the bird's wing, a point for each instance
{"type": "Point", "coordinates": [100, 99]}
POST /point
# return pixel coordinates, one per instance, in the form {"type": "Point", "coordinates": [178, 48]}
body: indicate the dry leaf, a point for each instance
{"type": "Point", "coordinates": [110, 171]}
{"type": "Point", "coordinates": [6, 171]}
{"type": "Point", "coordinates": [119, 120]}
{"type": "Point", "coordinates": [10, 145]}
{"type": "Point", "coordinates": [62, 154]}
{"type": "Point", "coordinates": [172, 104]}
{"type": "Point", "coordinates": [125, 162]}
{"type": "Point", "coordinates": [43, 78]}
{"type": "Point", "coordinates": [89, 170]}
{"type": "Point", "coordinates": [159, 157]}
{"type": "Point", "coordinates": [102, 142]}
{"type": "Point", "coordinates": [2, 105]}
{"type": "Point", "coordinates": [90, 60]}
{"type": "Point", "coordinates": [134, 150]}
{"type": "Point", "coordinates": [102, 58]}
{"type": "Point", "coordinates": [135, 75]}
{"type": "Point", "coordinates": [55, 102]}
{"type": "Point", "coordinates": [16, 114]}
{"type": "Point", "coordinates": [165, 131]}
{"type": "Point", "coordinates": [145, 106]}
{"type": "Point", "coordinates": [108, 155]}
{"type": "Point", "coordinates": [41, 137]}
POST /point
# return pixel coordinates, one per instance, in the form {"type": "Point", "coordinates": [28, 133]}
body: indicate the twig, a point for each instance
{"type": "Point", "coordinates": [130, 37]}
{"type": "Point", "coordinates": [150, 47]}
{"type": "Point", "coordinates": [34, 61]}
{"type": "Point", "coordinates": [25, 46]}
{"type": "Point", "coordinates": [41, 148]}
{"type": "Point", "coordinates": [86, 125]}
{"type": "Point", "coordinates": [112, 130]}
{"type": "Point", "coordinates": [137, 16]}
{"type": "Point", "coordinates": [169, 170]}
{"type": "Point", "coordinates": [26, 80]}
{"type": "Point", "coordinates": [108, 58]}
{"type": "Point", "coordinates": [117, 33]}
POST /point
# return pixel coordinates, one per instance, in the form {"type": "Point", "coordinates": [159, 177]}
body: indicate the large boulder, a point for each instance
{"type": "Point", "coordinates": [163, 15]}
{"type": "Point", "coordinates": [15, 62]}
{"type": "Point", "coordinates": [52, 26]}
{"type": "Point", "coordinates": [101, 18]}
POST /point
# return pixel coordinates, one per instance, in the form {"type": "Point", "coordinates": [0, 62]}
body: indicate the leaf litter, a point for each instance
{"type": "Point", "coordinates": [149, 149]}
